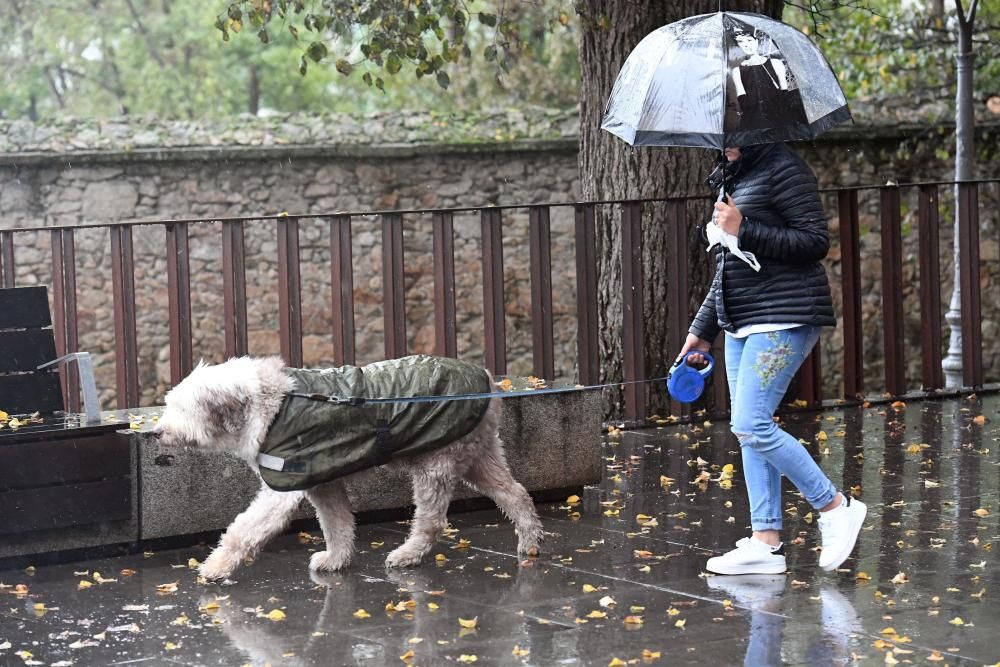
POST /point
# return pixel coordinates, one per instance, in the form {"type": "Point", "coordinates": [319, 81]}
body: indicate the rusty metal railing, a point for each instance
{"type": "Point", "coordinates": [233, 318]}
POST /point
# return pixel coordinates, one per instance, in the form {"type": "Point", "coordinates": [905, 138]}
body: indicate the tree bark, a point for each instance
{"type": "Point", "coordinates": [610, 169]}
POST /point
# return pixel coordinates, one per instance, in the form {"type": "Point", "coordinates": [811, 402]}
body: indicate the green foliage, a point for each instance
{"type": "Point", "coordinates": [895, 56]}
{"type": "Point", "coordinates": [102, 58]}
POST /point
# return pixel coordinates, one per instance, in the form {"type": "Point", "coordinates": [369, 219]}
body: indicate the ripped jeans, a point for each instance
{"type": "Point", "coordinates": [760, 368]}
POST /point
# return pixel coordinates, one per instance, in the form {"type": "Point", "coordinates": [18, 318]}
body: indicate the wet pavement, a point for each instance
{"type": "Point", "coordinates": [620, 581]}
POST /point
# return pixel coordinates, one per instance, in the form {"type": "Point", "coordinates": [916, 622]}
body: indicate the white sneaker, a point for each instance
{"type": "Point", "coordinates": [839, 528]}
{"type": "Point", "coordinates": [751, 556]}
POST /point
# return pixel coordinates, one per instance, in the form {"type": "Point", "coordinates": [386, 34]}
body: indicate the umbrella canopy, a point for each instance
{"type": "Point", "coordinates": [724, 79]}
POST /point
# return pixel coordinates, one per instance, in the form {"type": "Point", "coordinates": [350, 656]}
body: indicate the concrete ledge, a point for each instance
{"type": "Point", "coordinates": [552, 441]}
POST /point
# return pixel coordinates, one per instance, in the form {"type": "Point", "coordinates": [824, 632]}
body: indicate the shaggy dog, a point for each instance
{"type": "Point", "coordinates": [229, 408]}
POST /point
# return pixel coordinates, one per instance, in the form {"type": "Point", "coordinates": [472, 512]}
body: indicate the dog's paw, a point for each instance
{"type": "Point", "coordinates": [404, 557]}
{"type": "Point", "coordinates": [325, 561]}
{"type": "Point", "coordinates": [220, 564]}
{"type": "Point", "coordinates": [528, 545]}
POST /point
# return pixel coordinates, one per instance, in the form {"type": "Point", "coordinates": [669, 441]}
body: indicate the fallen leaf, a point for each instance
{"type": "Point", "coordinates": [615, 662]}
{"type": "Point", "coordinates": [900, 578]}
{"type": "Point", "coordinates": [979, 420]}
{"type": "Point", "coordinates": [597, 614]}
{"type": "Point", "coordinates": [361, 613]}
{"type": "Point", "coordinates": [163, 589]}
{"type": "Point", "coordinates": [650, 655]}
{"type": "Point", "coordinates": [863, 576]}
{"type": "Point", "coordinates": [520, 652]}
{"type": "Point", "coordinates": [432, 606]}
{"type": "Point", "coordinates": [84, 584]}
{"type": "Point", "coordinates": [275, 615]}
{"type": "Point", "coordinates": [607, 601]}
{"type": "Point", "coordinates": [170, 646]}
{"type": "Point", "coordinates": [572, 500]}
{"type": "Point", "coordinates": [982, 511]}
{"type": "Point", "coordinates": [465, 657]}
{"type": "Point", "coordinates": [587, 588]}
{"type": "Point", "coordinates": [957, 621]}
{"type": "Point", "coordinates": [468, 623]}
{"type": "Point", "coordinates": [633, 620]}
{"type": "Point", "coordinates": [407, 656]}
{"type": "Point", "coordinates": [180, 620]}
{"type": "Point", "coordinates": [680, 623]}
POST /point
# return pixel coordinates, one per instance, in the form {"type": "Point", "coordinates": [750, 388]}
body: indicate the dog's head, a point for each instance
{"type": "Point", "coordinates": [211, 407]}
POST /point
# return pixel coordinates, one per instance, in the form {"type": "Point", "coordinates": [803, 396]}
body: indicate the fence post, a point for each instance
{"type": "Point", "coordinates": [633, 329]}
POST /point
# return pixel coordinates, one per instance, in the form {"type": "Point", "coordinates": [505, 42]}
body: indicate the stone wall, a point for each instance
{"type": "Point", "coordinates": [95, 173]}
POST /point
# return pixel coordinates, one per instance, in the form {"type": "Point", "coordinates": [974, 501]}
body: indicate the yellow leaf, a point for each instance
{"type": "Point", "coordinates": [407, 656]}
{"type": "Point", "coordinates": [467, 658]}
{"type": "Point", "coordinates": [642, 517]}
{"type": "Point", "coordinates": [650, 655]}
{"type": "Point", "coordinates": [615, 662]}
{"type": "Point", "coordinates": [607, 601]}
{"type": "Point", "coordinates": [633, 620]}
{"type": "Point", "coordinates": [900, 578]}
{"type": "Point", "coordinates": [440, 558]}
{"type": "Point", "coordinates": [520, 652]}
{"type": "Point", "coordinates": [979, 420]}
{"type": "Point", "coordinates": [680, 623]}
{"type": "Point", "coordinates": [935, 656]}
{"type": "Point", "coordinates": [193, 563]}
{"type": "Point", "coordinates": [468, 623]}
{"type": "Point", "coordinates": [276, 615]}
{"type": "Point", "coordinates": [672, 612]}
{"type": "Point", "coordinates": [209, 607]}
{"type": "Point", "coordinates": [432, 606]}
{"type": "Point", "coordinates": [821, 436]}
{"type": "Point", "coordinates": [957, 621]}
{"type": "Point", "coordinates": [888, 631]}
{"type": "Point", "coordinates": [982, 511]}
{"type": "Point", "coordinates": [361, 613]}
{"type": "Point", "coordinates": [170, 646]}
{"type": "Point", "coordinates": [573, 500]}
{"type": "Point", "coordinates": [180, 620]}
{"type": "Point", "coordinates": [863, 576]}
{"type": "Point", "coordinates": [587, 588]}
{"type": "Point", "coordinates": [84, 584]}
{"type": "Point", "coordinates": [597, 614]}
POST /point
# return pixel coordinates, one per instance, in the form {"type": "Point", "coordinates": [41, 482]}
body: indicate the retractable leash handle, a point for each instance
{"type": "Point", "coordinates": [686, 384]}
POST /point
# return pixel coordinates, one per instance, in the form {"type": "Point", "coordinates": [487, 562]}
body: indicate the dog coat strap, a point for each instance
{"type": "Point", "coordinates": [280, 464]}
{"type": "Point", "coordinates": [383, 442]}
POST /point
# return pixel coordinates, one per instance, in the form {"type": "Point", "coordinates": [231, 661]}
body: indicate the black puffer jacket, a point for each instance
{"type": "Point", "coordinates": [784, 226]}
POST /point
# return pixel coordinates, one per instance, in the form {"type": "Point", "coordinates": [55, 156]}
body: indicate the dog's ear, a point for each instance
{"type": "Point", "coordinates": [228, 409]}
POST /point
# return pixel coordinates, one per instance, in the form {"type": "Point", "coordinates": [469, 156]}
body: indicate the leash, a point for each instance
{"type": "Point", "coordinates": [362, 400]}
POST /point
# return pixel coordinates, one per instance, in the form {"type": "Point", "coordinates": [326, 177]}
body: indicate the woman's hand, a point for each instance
{"type": "Point", "coordinates": [728, 217]}
{"type": "Point", "coordinates": [698, 345]}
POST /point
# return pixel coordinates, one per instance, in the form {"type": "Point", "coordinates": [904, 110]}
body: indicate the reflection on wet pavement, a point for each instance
{"type": "Point", "coordinates": [620, 580]}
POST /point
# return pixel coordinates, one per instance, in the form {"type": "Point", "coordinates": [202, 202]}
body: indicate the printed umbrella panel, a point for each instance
{"type": "Point", "coordinates": [724, 79]}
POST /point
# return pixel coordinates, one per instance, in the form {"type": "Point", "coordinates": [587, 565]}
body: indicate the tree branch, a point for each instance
{"type": "Point", "coordinates": [150, 45]}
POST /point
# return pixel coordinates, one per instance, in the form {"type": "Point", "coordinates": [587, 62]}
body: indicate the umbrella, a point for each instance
{"type": "Point", "coordinates": [724, 79]}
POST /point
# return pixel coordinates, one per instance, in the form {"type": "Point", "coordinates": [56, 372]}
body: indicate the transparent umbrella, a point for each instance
{"type": "Point", "coordinates": [724, 79]}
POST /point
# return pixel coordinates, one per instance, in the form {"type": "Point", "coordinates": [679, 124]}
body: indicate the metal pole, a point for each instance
{"type": "Point", "coordinates": [964, 171]}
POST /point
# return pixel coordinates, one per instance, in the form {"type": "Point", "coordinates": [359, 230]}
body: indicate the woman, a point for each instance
{"type": "Point", "coordinates": [772, 319]}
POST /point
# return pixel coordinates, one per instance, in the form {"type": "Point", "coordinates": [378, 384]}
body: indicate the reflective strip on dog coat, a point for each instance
{"type": "Point", "coordinates": [311, 442]}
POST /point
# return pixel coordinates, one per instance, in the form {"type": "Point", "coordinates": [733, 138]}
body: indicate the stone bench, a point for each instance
{"type": "Point", "coordinates": [552, 441]}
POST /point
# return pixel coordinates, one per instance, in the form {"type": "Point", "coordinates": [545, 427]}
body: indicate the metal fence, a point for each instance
{"type": "Point", "coordinates": [339, 227]}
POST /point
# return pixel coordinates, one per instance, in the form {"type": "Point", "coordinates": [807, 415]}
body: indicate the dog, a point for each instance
{"type": "Point", "coordinates": [230, 407]}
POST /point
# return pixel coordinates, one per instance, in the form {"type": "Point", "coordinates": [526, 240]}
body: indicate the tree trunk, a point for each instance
{"type": "Point", "coordinates": [610, 169]}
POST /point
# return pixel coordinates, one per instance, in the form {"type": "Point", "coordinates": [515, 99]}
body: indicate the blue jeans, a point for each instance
{"type": "Point", "coordinates": [760, 368]}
